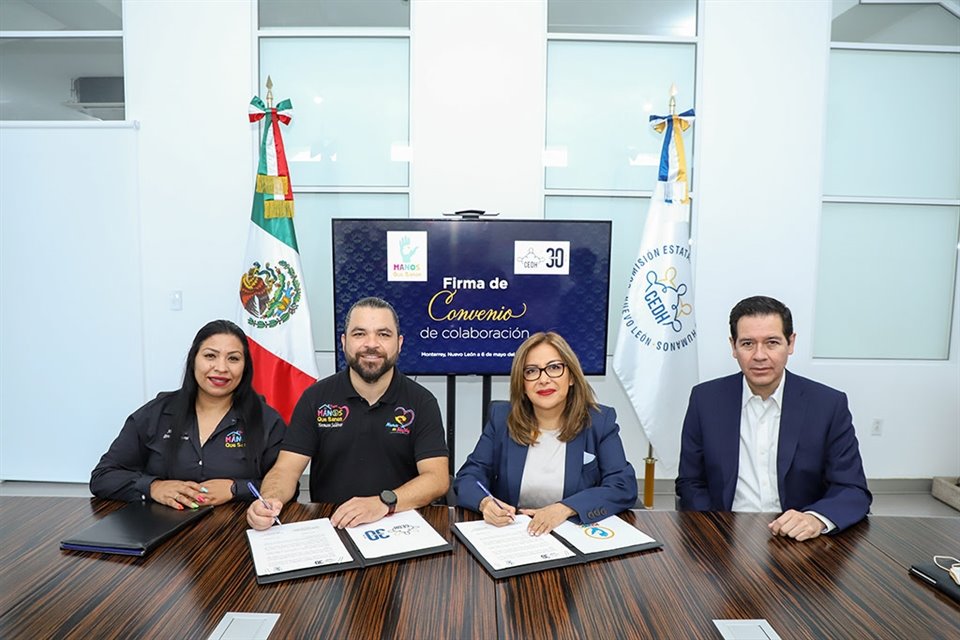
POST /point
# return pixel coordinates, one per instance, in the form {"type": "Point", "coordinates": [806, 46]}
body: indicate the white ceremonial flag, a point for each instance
{"type": "Point", "coordinates": [656, 353]}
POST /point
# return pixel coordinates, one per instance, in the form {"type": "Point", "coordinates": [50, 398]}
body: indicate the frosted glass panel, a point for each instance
{"type": "Point", "coordinates": [61, 79]}
{"type": "Point", "coordinates": [893, 125]}
{"type": "Point", "coordinates": [351, 108]}
{"type": "Point", "coordinates": [334, 13]}
{"type": "Point", "coordinates": [61, 15]}
{"type": "Point", "coordinates": [886, 281]}
{"type": "Point", "coordinates": [312, 221]}
{"type": "Point", "coordinates": [599, 99]}
{"type": "Point", "coordinates": [647, 18]}
{"type": "Point", "coordinates": [628, 216]}
{"type": "Point", "coordinates": [921, 24]}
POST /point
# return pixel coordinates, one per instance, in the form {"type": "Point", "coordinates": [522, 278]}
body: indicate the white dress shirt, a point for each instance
{"type": "Point", "coordinates": [758, 487]}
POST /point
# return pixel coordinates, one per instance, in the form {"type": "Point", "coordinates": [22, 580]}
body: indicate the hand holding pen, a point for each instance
{"type": "Point", "coordinates": [493, 511]}
{"type": "Point", "coordinates": [253, 490]}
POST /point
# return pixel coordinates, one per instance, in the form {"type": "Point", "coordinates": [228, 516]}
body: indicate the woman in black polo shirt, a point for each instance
{"type": "Point", "coordinates": [201, 444]}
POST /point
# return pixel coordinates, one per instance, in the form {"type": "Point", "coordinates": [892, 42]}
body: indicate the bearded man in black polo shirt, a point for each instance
{"type": "Point", "coordinates": [374, 437]}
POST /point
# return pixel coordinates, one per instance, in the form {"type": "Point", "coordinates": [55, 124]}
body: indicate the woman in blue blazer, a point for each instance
{"type": "Point", "coordinates": [552, 452]}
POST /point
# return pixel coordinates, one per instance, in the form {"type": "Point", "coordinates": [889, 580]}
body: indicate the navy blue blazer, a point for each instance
{"type": "Point", "coordinates": [598, 481]}
{"type": "Point", "coordinates": [818, 458]}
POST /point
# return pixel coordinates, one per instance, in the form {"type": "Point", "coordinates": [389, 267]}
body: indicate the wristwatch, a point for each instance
{"type": "Point", "coordinates": [389, 498]}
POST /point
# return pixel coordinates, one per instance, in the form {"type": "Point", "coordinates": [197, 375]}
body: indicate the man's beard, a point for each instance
{"type": "Point", "coordinates": [370, 375]}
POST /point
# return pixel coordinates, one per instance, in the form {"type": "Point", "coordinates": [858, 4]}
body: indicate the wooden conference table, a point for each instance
{"type": "Point", "coordinates": [854, 585]}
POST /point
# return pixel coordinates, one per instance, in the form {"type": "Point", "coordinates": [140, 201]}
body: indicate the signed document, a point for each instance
{"type": "Point", "coordinates": [297, 545]}
{"type": "Point", "coordinates": [401, 534]}
{"type": "Point", "coordinates": [511, 551]}
{"type": "Point", "coordinates": [315, 547]}
{"type": "Point", "coordinates": [609, 534]}
{"type": "Point", "coordinates": [511, 546]}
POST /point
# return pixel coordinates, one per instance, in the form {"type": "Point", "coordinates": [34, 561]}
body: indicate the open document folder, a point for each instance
{"type": "Point", "coordinates": [314, 547]}
{"type": "Point", "coordinates": [511, 551]}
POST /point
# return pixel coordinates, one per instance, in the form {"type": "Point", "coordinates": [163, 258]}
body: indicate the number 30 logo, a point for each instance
{"type": "Point", "coordinates": [376, 534]}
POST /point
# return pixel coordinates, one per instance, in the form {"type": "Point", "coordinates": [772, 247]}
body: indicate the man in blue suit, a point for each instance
{"type": "Point", "coordinates": [767, 440]}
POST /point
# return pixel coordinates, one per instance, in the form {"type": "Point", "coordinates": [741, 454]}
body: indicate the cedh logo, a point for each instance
{"type": "Point", "coordinates": [658, 311]}
{"type": "Point", "coordinates": [664, 299]}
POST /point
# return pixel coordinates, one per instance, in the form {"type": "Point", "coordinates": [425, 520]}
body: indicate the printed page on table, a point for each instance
{"type": "Point", "coordinates": [296, 545]}
{"type": "Point", "coordinates": [609, 534]}
{"type": "Point", "coordinates": [401, 533]}
{"type": "Point", "coordinates": [511, 545]}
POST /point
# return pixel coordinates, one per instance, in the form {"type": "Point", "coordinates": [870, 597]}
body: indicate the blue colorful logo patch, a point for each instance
{"type": "Point", "coordinates": [402, 420]}
{"type": "Point", "coordinates": [332, 416]}
{"type": "Point", "coordinates": [234, 440]}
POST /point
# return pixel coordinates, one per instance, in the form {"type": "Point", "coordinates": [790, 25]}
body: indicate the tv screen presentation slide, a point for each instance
{"type": "Point", "coordinates": [469, 292]}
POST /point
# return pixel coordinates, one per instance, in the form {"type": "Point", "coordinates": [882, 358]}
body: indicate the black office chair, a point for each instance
{"type": "Point", "coordinates": [448, 500]}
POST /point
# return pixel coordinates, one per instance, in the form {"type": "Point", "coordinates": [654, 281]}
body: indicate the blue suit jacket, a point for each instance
{"type": "Point", "coordinates": [818, 459]}
{"type": "Point", "coordinates": [598, 481]}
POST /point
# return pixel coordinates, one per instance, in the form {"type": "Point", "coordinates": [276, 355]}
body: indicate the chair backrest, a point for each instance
{"type": "Point", "coordinates": [449, 500]}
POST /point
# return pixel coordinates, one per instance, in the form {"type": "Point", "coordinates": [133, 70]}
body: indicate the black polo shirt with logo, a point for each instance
{"type": "Point", "coordinates": [360, 449]}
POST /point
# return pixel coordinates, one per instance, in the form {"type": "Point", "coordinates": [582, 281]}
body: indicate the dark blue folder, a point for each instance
{"type": "Point", "coordinates": [133, 530]}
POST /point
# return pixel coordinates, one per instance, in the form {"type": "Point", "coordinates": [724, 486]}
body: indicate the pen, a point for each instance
{"type": "Point", "coordinates": [490, 495]}
{"type": "Point", "coordinates": [254, 491]}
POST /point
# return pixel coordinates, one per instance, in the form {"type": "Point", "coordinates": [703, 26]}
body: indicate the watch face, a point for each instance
{"type": "Point", "coordinates": [388, 497]}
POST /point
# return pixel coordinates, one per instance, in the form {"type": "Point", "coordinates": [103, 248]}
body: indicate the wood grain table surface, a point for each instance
{"type": "Point", "coordinates": [712, 565]}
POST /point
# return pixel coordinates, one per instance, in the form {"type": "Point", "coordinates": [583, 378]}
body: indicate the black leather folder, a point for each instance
{"type": "Point", "coordinates": [936, 577]}
{"type": "Point", "coordinates": [133, 530]}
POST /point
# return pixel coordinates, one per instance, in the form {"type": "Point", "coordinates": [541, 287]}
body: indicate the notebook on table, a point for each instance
{"type": "Point", "coordinates": [133, 530]}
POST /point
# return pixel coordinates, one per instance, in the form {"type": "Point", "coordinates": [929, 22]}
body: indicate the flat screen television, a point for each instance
{"type": "Point", "coordinates": [469, 292]}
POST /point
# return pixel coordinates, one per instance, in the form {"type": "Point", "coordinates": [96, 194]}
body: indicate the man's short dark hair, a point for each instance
{"type": "Point", "coordinates": [373, 303]}
{"type": "Point", "coordinates": [761, 306]}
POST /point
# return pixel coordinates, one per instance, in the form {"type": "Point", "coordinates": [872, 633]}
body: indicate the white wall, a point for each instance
{"type": "Point", "coordinates": [760, 140]}
{"type": "Point", "coordinates": [476, 130]}
{"type": "Point", "coordinates": [188, 83]}
{"type": "Point", "coordinates": [478, 105]}
{"type": "Point", "coordinates": [71, 339]}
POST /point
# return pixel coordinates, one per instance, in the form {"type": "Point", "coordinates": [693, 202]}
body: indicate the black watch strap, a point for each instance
{"type": "Point", "coordinates": [389, 498]}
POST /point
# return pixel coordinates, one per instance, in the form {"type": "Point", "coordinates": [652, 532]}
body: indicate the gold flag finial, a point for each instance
{"type": "Point", "coordinates": [673, 98]}
{"type": "Point", "coordinates": [269, 93]}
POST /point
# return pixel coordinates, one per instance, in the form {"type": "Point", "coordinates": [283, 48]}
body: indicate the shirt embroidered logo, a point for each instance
{"type": "Point", "coordinates": [402, 420]}
{"type": "Point", "coordinates": [234, 440]}
{"type": "Point", "coordinates": [332, 416]}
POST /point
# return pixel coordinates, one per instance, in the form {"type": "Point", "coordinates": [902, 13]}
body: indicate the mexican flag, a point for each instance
{"type": "Point", "coordinates": [273, 303]}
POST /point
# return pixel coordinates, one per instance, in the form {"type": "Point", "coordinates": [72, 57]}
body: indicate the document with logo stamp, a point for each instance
{"type": "Point", "coordinates": [608, 534]}
{"type": "Point", "coordinates": [398, 534]}
{"type": "Point", "coordinates": [297, 545]}
{"type": "Point", "coordinates": [511, 546]}
{"type": "Point", "coordinates": [511, 551]}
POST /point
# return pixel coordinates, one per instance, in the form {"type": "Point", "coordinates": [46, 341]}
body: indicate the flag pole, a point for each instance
{"type": "Point", "coordinates": [650, 463]}
{"type": "Point", "coordinates": [649, 469]}
{"type": "Point", "coordinates": [269, 93]}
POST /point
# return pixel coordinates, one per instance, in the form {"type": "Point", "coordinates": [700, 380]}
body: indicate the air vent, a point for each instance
{"type": "Point", "coordinates": [98, 90]}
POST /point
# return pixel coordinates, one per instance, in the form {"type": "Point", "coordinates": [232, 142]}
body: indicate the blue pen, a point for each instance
{"type": "Point", "coordinates": [254, 491]}
{"type": "Point", "coordinates": [490, 495]}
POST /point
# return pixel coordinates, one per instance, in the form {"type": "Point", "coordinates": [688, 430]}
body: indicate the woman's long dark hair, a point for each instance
{"type": "Point", "coordinates": [245, 399]}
